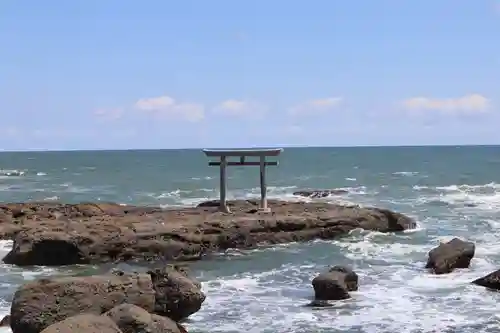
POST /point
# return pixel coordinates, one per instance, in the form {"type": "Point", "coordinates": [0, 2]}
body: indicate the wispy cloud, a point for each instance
{"type": "Point", "coordinates": [167, 106]}
{"type": "Point", "coordinates": [315, 106]}
{"type": "Point", "coordinates": [108, 113]}
{"type": "Point", "coordinates": [467, 104]}
{"type": "Point", "coordinates": [239, 108]}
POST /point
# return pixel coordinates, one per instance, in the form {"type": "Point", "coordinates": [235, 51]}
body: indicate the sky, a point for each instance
{"type": "Point", "coordinates": [93, 74]}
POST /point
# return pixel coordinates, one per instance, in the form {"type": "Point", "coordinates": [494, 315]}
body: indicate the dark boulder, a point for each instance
{"type": "Point", "coordinates": [334, 284]}
{"type": "Point", "coordinates": [451, 255]}
{"type": "Point", "coordinates": [176, 295]}
{"type": "Point", "coordinates": [84, 323]}
{"type": "Point", "coordinates": [44, 302]}
{"type": "Point", "coordinates": [133, 319]}
{"type": "Point", "coordinates": [320, 193]}
{"type": "Point", "coordinates": [490, 281]}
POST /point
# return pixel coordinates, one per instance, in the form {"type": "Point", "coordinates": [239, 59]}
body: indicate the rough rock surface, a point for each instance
{"type": "Point", "coordinates": [84, 323]}
{"type": "Point", "coordinates": [54, 234]}
{"type": "Point", "coordinates": [5, 322]}
{"type": "Point", "coordinates": [133, 319]}
{"type": "Point", "coordinates": [320, 193]}
{"type": "Point", "coordinates": [490, 281]}
{"type": "Point", "coordinates": [41, 303]}
{"type": "Point", "coordinates": [451, 255]}
{"type": "Point", "coordinates": [177, 295]}
{"type": "Point", "coordinates": [334, 285]}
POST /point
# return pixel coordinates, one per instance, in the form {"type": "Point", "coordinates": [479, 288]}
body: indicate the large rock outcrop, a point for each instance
{"type": "Point", "coordinates": [54, 234]}
{"type": "Point", "coordinates": [451, 255]}
{"type": "Point", "coordinates": [39, 304]}
{"type": "Point", "coordinates": [84, 323]}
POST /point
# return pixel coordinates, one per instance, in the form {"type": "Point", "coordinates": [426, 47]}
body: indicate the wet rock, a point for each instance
{"type": "Point", "coordinates": [451, 255]}
{"type": "Point", "coordinates": [39, 304]}
{"type": "Point", "coordinates": [5, 322]}
{"type": "Point", "coordinates": [320, 193]}
{"type": "Point", "coordinates": [490, 281]}
{"type": "Point", "coordinates": [133, 319]}
{"type": "Point", "coordinates": [53, 249]}
{"type": "Point", "coordinates": [176, 295]}
{"type": "Point", "coordinates": [334, 284]}
{"type": "Point", "coordinates": [52, 234]}
{"type": "Point", "coordinates": [84, 323]}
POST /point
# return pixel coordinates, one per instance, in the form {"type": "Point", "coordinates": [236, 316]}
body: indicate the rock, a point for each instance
{"type": "Point", "coordinates": [53, 249]}
{"type": "Point", "coordinates": [5, 322]}
{"type": "Point", "coordinates": [176, 295]}
{"type": "Point", "coordinates": [490, 281]}
{"type": "Point", "coordinates": [133, 319]}
{"type": "Point", "coordinates": [334, 284]}
{"type": "Point", "coordinates": [52, 234]}
{"type": "Point", "coordinates": [350, 277]}
{"type": "Point", "coordinates": [41, 303]}
{"type": "Point", "coordinates": [451, 255]}
{"type": "Point", "coordinates": [84, 323]}
{"type": "Point", "coordinates": [320, 193]}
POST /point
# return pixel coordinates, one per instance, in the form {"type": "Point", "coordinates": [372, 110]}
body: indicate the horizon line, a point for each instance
{"type": "Point", "coordinates": [41, 150]}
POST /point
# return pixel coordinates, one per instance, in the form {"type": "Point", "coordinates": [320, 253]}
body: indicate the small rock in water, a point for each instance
{"type": "Point", "coordinates": [451, 255]}
{"type": "Point", "coordinates": [320, 193]}
{"type": "Point", "coordinates": [335, 284]}
{"type": "Point", "coordinates": [490, 281]}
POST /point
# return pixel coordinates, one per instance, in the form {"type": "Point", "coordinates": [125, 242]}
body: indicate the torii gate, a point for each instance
{"type": "Point", "coordinates": [223, 154]}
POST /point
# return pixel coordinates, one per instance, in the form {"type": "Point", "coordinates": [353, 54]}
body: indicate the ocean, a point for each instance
{"type": "Point", "coordinates": [450, 191]}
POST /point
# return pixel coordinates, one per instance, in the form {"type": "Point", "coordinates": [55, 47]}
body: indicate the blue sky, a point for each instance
{"type": "Point", "coordinates": [173, 74]}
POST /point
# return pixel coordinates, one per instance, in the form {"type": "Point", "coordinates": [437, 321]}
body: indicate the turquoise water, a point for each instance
{"type": "Point", "coordinates": [451, 191]}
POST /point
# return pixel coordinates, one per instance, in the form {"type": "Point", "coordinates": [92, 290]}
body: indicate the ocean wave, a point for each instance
{"type": "Point", "coordinates": [396, 292]}
{"type": "Point", "coordinates": [405, 173]}
{"type": "Point", "coordinates": [12, 173]}
{"type": "Point", "coordinates": [481, 197]}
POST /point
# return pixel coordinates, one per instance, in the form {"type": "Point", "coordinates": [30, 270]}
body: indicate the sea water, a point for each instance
{"type": "Point", "coordinates": [450, 191]}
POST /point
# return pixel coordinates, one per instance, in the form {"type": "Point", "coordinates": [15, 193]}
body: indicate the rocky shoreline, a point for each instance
{"type": "Point", "coordinates": [56, 234]}
{"type": "Point", "coordinates": [159, 300]}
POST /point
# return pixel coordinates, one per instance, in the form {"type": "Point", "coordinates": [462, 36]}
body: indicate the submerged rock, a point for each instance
{"type": "Point", "coordinates": [490, 281]}
{"type": "Point", "coordinates": [334, 284]}
{"type": "Point", "coordinates": [53, 234]}
{"type": "Point", "coordinates": [320, 193]}
{"type": "Point", "coordinates": [451, 255]}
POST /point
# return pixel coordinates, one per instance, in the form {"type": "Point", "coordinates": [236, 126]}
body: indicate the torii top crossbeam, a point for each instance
{"type": "Point", "coordinates": [242, 154]}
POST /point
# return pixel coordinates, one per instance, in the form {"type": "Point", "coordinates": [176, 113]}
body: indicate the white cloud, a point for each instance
{"type": "Point", "coordinates": [234, 107]}
{"type": "Point", "coordinates": [468, 104]}
{"type": "Point", "coordinates": [108, 114]}
{"type": "Point", "coordinates": [169, 107]}
{"type": "Point", "coordinates": [316, 106]}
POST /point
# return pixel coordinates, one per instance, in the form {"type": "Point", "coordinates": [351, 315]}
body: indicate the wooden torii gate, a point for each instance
{"type": "Point", "coordinates": [223, 162]}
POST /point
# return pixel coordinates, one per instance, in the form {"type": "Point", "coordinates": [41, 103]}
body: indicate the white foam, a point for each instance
{"type": "Point", "coordinates": [396, 292]}
{"type": "Point", "coordinates": [405, 173]}
{"type": "Point", "coordinates": [484, 197]}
